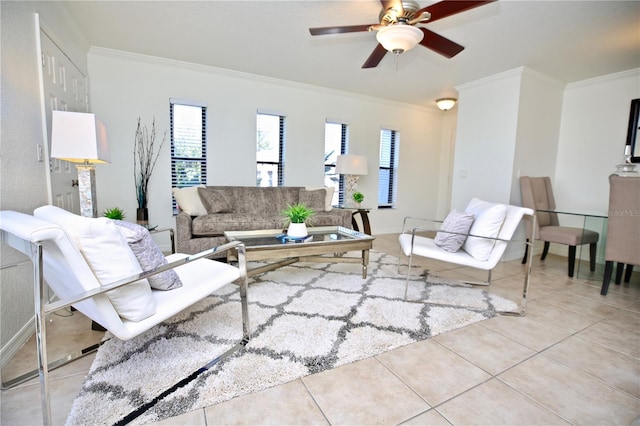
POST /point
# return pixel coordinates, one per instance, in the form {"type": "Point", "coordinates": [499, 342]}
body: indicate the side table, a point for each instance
{"type": "Point", "coordinates": [171, 235]}
{"type": "Point", "coordinates": [363, 212]}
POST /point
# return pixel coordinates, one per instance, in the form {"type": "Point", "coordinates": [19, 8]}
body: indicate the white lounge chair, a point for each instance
{"type": "Point", "coordinates": [63, 263]}
{"type": "Point", "coordinates": [482, 246]}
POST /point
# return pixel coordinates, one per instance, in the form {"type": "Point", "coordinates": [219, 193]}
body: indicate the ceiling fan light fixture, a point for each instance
{"type": "Point", "coordinates": [399, 38]}
{"type": "Point", "coordinates": [445, 104]}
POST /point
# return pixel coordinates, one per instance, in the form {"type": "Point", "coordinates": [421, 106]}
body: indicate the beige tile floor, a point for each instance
{"type": "Point", "coordinates": [573, 359]}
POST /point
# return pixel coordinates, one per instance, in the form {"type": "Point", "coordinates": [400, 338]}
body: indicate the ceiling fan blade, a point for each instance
{"type": "Point", "coordinates": [450, 7]}
{"type": "Point", "coordinates": [440, 44]}
{"type": "Point", "coordinates": [376, 56]}
{"type": "Point", "coordinates": [340, 30]}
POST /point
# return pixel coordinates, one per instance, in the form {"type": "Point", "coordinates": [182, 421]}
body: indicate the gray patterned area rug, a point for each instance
{"type": "Point", "coordinates": [305, 318]}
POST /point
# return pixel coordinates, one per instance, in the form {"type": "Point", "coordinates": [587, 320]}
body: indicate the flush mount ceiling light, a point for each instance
{"type": "Point", "coordinates": [446, 104]}
{"type": "Point", "coordinates": [399, 38]}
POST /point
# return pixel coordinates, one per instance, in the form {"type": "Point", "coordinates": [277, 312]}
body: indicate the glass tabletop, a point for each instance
{"type": "Point", "coordinates": [317, 235]}
{"type": "Point", "coordinates": [584, 214]}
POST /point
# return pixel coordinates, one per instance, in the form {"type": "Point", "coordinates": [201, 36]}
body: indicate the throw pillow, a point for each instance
{"type": "Point", "coordinates": [313, 199]}
{"type": "Point", "coordinates": [148, 254]}
{"type": "Point", "coordinates": [214, 201]}
{"type": "Point", "coordinates": [458, 222]}
{"type": "Point", "coordinates": [109, 257]}
{"type": "Point", "coordinates": [328, 201]}
{"type": "Point", "coordinates": [488, 221]}
{"type": "Point", "coordinates": [189, 201]}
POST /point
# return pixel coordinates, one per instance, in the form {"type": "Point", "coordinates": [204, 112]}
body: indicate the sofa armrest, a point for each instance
{"type": "Point", "coordinates": [183, 228]}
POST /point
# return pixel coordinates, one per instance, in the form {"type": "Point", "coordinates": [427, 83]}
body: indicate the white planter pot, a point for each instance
{"type": "Point", "coordinates": [297, 230]}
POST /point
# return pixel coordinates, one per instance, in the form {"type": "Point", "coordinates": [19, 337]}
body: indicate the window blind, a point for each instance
{"type": "Point", "coordinates": [336, 142]}
{"type": "Point", "coordinates": [388, 168]}
{"type": "Point", "coordinates": [188, 145]}
{"type": "Point", "coordinates": [270, 149]}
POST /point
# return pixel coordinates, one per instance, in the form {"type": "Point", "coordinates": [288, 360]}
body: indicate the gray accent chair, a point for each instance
{"type": "Point", "coordinates": [623, 228]}
{"type": "Point", "coordinates": [537, 194]}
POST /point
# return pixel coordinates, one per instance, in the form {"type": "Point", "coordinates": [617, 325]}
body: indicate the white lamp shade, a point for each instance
{"type": "Point", "coordinates": [351, 165]}
{"type": "Point", "coordinates": [78, 137]}
{"type": "Point", "coordinates": [399, 38]}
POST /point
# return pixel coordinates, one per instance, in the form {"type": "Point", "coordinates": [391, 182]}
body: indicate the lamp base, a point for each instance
{"type": "Point", "coordinates": [351, 187]}
{"type": "Point", "coordinates": [87, 190]}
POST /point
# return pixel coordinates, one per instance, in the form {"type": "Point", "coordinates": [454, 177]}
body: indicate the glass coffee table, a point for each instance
{"type": "Point", "coordinates": [328, 244]}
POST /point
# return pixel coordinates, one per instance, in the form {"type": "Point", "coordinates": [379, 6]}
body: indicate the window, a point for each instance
{"type": "Point", "coordinates": [270, 142]}
{"type": "Point", "coordinates": [336, 142]}
{"type": "Point", "coordinates": [188, 144]}
{"type": "Point", "coordinates": [388, 171]}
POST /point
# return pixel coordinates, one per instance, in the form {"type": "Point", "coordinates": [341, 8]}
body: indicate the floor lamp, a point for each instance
{"type": "Point", "coordinates": [352, 166]}
{"type": "Point", "coordinates": [81, 138]}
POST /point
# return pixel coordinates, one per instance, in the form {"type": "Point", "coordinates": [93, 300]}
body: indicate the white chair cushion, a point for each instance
{"type": "Point", "coordinates": [458, 222]}
{"type": "Point", "coordinates": [487, 223]}
{"type": "Point", "coordinates": [109, 257]}
{"type": "Point", "coordinates": [189, 200]}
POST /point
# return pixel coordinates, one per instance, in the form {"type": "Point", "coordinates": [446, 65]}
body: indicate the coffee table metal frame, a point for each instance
{"type": "Point", "coordinates": [335, 240]}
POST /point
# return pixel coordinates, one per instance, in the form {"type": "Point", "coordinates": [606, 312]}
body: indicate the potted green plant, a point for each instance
{"type": "Point", "coordinates": [358, 197]}
{"type": "Point", "coordinates": [297, 214]}
{"type": "Point", "coordinates": [115, 213]}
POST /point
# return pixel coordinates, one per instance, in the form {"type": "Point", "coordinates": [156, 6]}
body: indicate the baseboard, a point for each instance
{"type": "Point", "coordinates": [9, 350]}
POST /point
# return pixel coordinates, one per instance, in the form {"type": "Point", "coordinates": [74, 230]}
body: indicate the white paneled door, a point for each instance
{"type": "Point", "coordinates": [65, 89]}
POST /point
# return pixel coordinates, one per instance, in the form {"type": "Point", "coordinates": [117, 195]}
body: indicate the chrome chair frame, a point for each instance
{"type": "Point", "coordinates": [528, 255]}
{"type": "Point", "coordinates": [34, 251]}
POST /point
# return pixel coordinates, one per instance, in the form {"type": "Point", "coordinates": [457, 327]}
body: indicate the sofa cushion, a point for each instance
{"type": "Point", "coordinates": [216, 224]}
{"type": "Point", "coordinates": [260, 201]}
{"type": "Point", "coordinates": [313, 200]}
{"type": "Point", "coordinates": [189, 200]}
{"type": "Point", "coordinates": [327, 219]}
{"type": "Point", "coordinates": [487, 223]}
{"type": "Point", "coordinates": [214, 201]}
{"type": "Point", "coordinates": [109, 257]}
{"type": "Point", "coordinates": [148, 254]}
{"type": "Point", "coordinates": [457, 222]}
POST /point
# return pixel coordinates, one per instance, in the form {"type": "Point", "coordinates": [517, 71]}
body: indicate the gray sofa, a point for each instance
{"type": "Point", "coordinates": [206, 212]}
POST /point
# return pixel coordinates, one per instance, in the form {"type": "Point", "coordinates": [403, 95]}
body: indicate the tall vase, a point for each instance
{"type": "Point", "coordinates": [142, 216]}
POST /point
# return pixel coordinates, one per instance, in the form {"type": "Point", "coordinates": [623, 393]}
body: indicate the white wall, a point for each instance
{"type": "Point", "coordinates": [22, 177]}
{"type": "Point", "coordinates": [485, 140]}
{"type": "Point", "coordinates": [125, 86]}
{"type": "Point", "coordinates": [524, 123]}
{"type": "Point", "coordinates": [593, 133]}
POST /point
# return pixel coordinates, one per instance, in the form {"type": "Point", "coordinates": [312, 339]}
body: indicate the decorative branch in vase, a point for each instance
{"type": "Point", "coordinates": [145, 158]}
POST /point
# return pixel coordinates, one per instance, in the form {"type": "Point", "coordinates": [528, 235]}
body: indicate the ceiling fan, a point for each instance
{"type": "Point", "coordinates": [397, 31]}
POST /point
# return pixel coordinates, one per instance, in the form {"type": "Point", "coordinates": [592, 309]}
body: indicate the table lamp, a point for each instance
{"type": "Point", "coordinates": [81, 138]}
{"type": "Point", "coordinates": [352, 166]}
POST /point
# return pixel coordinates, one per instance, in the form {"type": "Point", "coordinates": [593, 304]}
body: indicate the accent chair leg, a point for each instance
{"type": "Point", "coordinates": [593, 249]}
{"type": "Point", "coordinates": [627, 274]}
{"type": "Point", "coordinates": [545, 250]}
{"type": "Point", "coordinates": [406, 285]}
{"type": "Point", "coordinates": [572, 260]}
{"type": "Point", "coordinates": [608, 268]}
{"type": "Point", "coordinates": [526, 252]}
{"type": "Point", "coordinates": [619, 271]}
